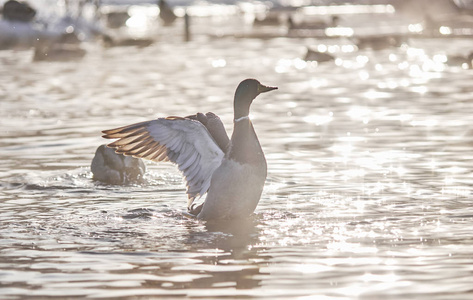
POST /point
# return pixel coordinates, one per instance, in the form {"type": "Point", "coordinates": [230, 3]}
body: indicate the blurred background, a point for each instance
{"type": "Point", "coordinates": [374, 24]}
{"type": "Point", "coordinates": [368, 141]}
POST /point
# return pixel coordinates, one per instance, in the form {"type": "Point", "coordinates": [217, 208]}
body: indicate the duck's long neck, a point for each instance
{"type": "Point", "coordinates": [244, 143]}
{"type": "Point", "coordinates": [241, 109]}
{"type": "Point", "coordinates": [245, 147]}
{"type": "Point", "coordinates": [243, 130]}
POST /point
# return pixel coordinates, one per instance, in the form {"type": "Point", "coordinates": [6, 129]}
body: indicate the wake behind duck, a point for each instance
{"type": "Point", "coordinates": [231, 171]}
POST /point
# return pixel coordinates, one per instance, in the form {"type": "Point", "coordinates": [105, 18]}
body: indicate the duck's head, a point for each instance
{"type": "Point", "coordinates": [245, 93]}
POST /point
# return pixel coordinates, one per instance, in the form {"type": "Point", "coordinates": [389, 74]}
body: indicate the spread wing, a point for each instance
{"type": "Point", "coordinates": [182, 141]}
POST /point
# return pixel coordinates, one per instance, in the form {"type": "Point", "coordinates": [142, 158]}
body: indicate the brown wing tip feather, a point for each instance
{"type": "Point", "coordinates": [124, 131]}
{"type": "Point", "coordinates": [111, 133]}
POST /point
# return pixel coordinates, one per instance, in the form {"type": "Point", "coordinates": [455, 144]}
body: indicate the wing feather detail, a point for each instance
{"type": "Point", "coordinates": [183, 141]}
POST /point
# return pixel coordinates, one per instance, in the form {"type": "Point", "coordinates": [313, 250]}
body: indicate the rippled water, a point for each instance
{"type": "Point", "coordinates": [368, 192]}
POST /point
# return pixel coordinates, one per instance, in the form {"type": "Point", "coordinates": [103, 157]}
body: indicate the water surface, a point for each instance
{"type": "Point", "coordinates": [369, 174]}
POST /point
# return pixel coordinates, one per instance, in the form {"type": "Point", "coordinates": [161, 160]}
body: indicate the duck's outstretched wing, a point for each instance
{"type": "Point", "coordinates": [182, 141]}
{"type": "Point", "coordinates": [215, 127]}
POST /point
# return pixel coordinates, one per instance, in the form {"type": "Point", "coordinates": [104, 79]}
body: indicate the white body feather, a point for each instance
{"type": "Point", "coordinates": [235, 190]}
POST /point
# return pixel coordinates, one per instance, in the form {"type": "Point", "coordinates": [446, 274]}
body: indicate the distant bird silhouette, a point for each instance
{"type": "Point", "coordinates": [231, 171]}
{"type": "Point", "coordinates": [317, 56]}
{"type": "Point", "coordinates": [18, 11]}
{"type": "Point", "coordinates": [108, 41]}
{"type": "Point", "coordinates": [461, 61]}
{"type": "Point", "coordinates": [312, 25]}
{"type": "Point", "coordinates": [379, 42]}
{"type": "Point", "coordinates": [117, 19]}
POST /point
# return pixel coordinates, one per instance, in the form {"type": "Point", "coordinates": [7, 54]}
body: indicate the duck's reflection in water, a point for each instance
{"type": "Point", "coordinates": [239, 233]}
{"type": "Point", "coordinates": [230, 257]}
